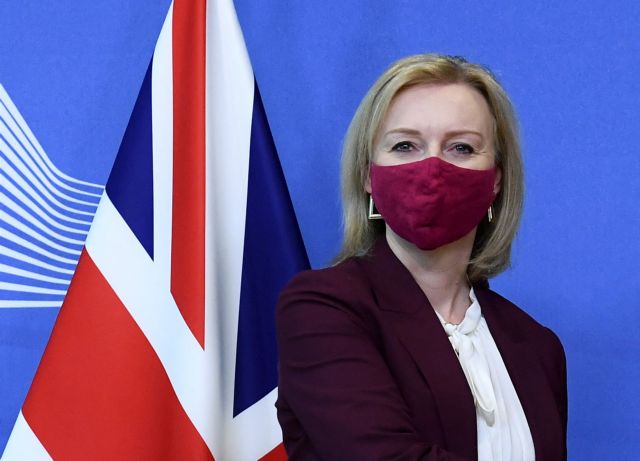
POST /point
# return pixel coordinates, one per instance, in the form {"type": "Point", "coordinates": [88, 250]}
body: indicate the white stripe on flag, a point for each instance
{"type": "Point", "coordinates": [162, 132]}
{"type": "Point", "coordinates": [229, 108]}
{"type": "Point", "coordinates": [255, 431]}
{"type": "Point", "coordinates": [23, 444]}
{"type": "Point", "coordinates": [138, 283]}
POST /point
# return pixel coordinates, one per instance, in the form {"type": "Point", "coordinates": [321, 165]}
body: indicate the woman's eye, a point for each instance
{"type": "Point", "coordinates": [462, 148]}
{"type": "Point", "coordinates": [403, 146]}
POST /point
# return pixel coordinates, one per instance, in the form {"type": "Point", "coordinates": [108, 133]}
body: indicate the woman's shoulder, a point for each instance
{"type": "Point", "coordinates": [346, 279]}
{"type": "Point", "coordinates": [520, 323]}
{"type": "Point", "coordinates": [344, 287]}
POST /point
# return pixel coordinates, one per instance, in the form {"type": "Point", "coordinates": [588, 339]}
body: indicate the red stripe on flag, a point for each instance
{"type": "Point", "coordinates": [277, 454]}
{"type": "Point", "coordinates": [100, 391]}
{"type": "Point", "coordinates": [187, 242]}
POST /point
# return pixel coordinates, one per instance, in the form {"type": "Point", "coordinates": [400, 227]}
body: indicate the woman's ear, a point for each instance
{"type": "Point", "coordinates": [497, 185]}
{"type": "Point", "coordinates": [367, 183]}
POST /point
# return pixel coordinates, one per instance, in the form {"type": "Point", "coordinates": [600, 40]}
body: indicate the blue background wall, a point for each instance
{"type": "Point", "coordinates": [571, 68]}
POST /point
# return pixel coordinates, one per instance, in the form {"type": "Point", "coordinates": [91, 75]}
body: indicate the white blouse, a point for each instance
{"type": "Point", "coordinates": [503, 431]}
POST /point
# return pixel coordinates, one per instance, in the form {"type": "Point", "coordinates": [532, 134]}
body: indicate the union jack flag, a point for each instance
{"type": "Point", "coordinates": [164, 347]}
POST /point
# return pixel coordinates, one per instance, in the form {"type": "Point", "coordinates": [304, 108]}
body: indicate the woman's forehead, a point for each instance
{"type": "Point", "coordinates": [441, 107]}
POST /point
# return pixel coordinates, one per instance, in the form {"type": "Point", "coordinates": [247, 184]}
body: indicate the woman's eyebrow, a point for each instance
{"type": "Point", "coordinates": [464, 131]}
{"type": "Point", "coordinates": [410, 131]}
{"type": "Point", "coordinates": [413, 131]}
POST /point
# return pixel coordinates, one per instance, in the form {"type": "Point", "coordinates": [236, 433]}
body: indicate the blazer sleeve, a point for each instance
{"type": "Point", "coordinates": [565, 400]}
{"type": "Point", "coordinates": [560, 385]}
{"type": "Point", "coordinates": [334, 379]}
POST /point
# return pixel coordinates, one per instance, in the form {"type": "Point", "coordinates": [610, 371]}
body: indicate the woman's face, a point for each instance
{"type": "Point", "coordinates": [449, 121]}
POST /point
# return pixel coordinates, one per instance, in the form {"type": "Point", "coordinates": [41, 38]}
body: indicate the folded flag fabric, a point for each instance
{"type": "Point", "coordinates": [164, 347]}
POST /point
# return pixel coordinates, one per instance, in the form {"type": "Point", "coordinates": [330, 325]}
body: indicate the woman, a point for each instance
{"type": "Point", "coordinates": [400, 350]}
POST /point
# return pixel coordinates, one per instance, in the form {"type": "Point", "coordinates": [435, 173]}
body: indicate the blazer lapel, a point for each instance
{"type": "Point", "coordinates": [526, 373]}
{"type": "Point", "coordinates": [405, 306]}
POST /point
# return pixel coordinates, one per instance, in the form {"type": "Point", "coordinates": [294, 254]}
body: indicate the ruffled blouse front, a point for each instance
{"type": "Point", "coordinates": [503, 431]}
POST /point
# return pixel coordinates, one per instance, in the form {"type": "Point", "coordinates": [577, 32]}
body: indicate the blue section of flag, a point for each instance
{"type": "Point", "coordinates": [273, 253]}
{"type": "Point", "coordinates": [130, 185]}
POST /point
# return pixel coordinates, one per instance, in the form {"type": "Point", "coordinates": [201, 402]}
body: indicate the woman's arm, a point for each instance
{"type": "Point", "coordinates": [561, 385]}
{"type": "Point", "coordinates": [335, 381]}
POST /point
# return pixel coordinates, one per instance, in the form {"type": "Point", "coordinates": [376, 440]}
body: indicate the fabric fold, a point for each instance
{"type": "Point", "coordinates": [472, 360]}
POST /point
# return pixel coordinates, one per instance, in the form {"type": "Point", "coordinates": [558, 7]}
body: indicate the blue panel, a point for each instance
{"type": "Point", "coordinates": [23, 336]}
{"type": "Point", "coordinates": [273, 252]}
{"type": "Point", "coordinates": [130, 185]}
{"type": "Point", "coordinates": [74, 71]}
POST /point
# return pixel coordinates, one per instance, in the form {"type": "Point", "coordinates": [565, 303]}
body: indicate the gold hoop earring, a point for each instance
{"type": "Point", "coordinates": [373, 212]}
{"type": "Point", "coordinates": [490, 213]}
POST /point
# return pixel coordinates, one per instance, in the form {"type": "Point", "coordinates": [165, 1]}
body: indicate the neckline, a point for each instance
{"type": "Point", "coordinates": [471, 319]}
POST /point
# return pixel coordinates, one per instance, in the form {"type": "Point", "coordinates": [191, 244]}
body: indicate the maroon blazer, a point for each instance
{"type": "Point", "coordinates": [367, 371]}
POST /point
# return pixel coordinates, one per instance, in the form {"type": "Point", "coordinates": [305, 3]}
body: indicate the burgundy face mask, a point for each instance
{"type": "Point", "coordinates": [431, 202]}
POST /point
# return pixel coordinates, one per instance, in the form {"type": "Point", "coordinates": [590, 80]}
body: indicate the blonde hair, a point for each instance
{"type": "Point", "coordinates": [492, 247]}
